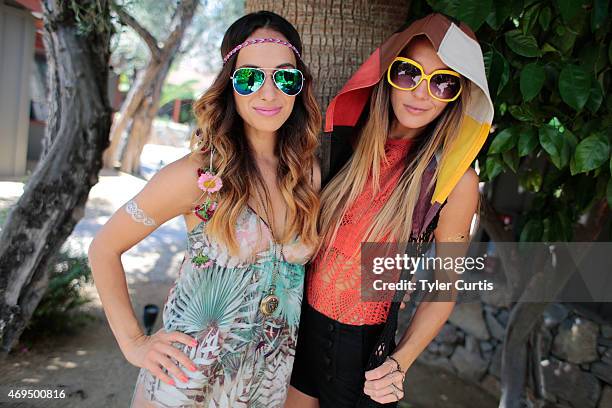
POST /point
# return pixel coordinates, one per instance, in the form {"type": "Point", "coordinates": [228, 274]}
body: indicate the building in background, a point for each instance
{"type": "Point", "coordinates": [18, 39]}
{"type": "Point", "coordinates": [23, 87]}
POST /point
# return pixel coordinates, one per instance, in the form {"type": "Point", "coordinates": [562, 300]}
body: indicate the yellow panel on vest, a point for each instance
{"type": "Point", "coordinates": [466, 146]}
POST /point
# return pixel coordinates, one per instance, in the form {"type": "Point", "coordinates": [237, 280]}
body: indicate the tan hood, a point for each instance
{"type": "Point", "coordinates": [458, 49]}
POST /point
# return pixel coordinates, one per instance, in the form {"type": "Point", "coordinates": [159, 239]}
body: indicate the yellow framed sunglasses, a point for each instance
{"type": "Point", "coordinates": [406, 74]}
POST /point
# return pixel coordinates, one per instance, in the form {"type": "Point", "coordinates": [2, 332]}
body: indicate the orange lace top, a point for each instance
{"type": "Point", "coordinates": [334, 282]}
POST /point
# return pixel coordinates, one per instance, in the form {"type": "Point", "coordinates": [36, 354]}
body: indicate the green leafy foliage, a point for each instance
{"type": "Point", "coordinates": [59, 309]}
{"type": "Point", "coordinates": [574, 86]}
{"type": "Point", "coordinates": [185, 90]}
{"type": "Point", "coordinates": [549, 66]}
{"type": "Point", "coordinates": [532, 80]}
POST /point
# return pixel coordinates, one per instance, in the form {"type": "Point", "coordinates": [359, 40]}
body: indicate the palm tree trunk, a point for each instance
{"type": "Point", "coordinates": [337, 37]}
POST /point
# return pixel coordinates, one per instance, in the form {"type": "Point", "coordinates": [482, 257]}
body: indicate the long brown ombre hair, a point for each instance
{"type": "Point", "coordinates": [395, 217]}
{"type": "Point", "coordinates": [220, 127]}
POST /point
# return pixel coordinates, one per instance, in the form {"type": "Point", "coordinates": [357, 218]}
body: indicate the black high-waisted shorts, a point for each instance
{"type": "Point", "coordinates": [331, 357]}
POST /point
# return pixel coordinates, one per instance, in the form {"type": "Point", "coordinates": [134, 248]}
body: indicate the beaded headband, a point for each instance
{"type": "Point", "coordinates": [258, 41]}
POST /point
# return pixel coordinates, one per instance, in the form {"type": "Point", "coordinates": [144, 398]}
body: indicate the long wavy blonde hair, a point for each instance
{"type": "Point", "coordinates": [395, 217]}
{"type": "Point", "coordinates": [220, 127]}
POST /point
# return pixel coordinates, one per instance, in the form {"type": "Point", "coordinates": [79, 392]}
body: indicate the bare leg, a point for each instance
{"type": "Point", "coordinates": [297, 399]}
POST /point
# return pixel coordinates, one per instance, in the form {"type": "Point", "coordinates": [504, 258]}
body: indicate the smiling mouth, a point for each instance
{"type": "Point", "coordinates": [267, 111]}
{"type": "Point", "coordinates": [414, 109]}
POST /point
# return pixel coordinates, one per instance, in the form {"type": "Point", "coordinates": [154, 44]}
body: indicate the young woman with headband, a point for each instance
{"type": "Point", "coordinates": [249, 195]}
{"type": "Point", "coordinates": [403, 132]}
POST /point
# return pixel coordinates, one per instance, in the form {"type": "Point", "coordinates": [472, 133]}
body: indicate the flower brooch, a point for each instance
{"type": "Point", "coordinates": [209, 183]}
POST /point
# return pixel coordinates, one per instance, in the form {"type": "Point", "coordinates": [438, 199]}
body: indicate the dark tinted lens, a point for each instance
{"type": "Point", "coordinates": [289, 81]}
{"type": "Point", "coordinates": [404, 74]}
{"type": "Point", "coordinates": [444, 86]}
{"type": "Point", "coordinates": [248, 80]}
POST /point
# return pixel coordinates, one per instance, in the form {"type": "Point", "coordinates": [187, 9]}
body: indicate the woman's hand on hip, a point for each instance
{"type": "Point", "coordinates": [154, 352]}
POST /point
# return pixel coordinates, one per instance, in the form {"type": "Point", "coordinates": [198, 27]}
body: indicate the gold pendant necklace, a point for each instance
{"type": "Point", "coordinates": [269, 303]}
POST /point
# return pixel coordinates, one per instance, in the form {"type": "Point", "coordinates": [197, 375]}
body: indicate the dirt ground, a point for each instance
{"type": "Point", "coordinates": [89, 367]}
{"type": "Point", "coordinates": [92, 371]}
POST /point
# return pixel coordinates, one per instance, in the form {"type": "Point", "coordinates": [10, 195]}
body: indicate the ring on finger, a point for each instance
{"type": "Point", "coordinates": [401, 373]}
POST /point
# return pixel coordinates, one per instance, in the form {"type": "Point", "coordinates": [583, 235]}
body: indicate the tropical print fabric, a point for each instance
{"type": "Point", "coordinates": [243, 358]}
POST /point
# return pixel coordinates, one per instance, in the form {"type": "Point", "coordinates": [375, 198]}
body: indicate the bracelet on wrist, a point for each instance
{"type": "Point", "coordinates": [399, 367]}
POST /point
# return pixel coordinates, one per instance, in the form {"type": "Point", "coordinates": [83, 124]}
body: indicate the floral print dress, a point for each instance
{"type": "Point", "coordinates": [243, 358]}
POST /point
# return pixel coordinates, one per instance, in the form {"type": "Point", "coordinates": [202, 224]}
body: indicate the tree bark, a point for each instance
{"type": "Point", "coordinates": [76, 134]}
{"type": "Point", "coordinates": [142, 123]}
{"type": "Point", "coordinates": [143, 95]}
{"type": "Point", "coordinates": [525, 314]}
{"type": "Point", "coordinates": [337, 36]}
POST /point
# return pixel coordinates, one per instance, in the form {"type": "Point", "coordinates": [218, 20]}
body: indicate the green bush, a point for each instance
{"type": "Point", "coordinates": [3, 214]}
{"type": "Point", "coordinates": [548, 66]}
{"type": "Point", "coordinates": [58, 311]}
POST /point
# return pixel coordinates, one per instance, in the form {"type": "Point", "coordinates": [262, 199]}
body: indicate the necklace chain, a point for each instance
{"type": "Point", "coordinates": [270, 301]}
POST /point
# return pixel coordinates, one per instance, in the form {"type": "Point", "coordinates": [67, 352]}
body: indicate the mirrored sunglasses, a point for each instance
{"type": "Point", "coordinates": [248, 80]}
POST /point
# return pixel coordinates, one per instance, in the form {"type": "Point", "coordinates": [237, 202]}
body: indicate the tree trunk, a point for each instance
{"type": "Point", "coordinates": [76, 134]}
{"type": "Point", "coordinates": [143, 82]}
{"type": "Point", "coordinates": [525, 314]}
{"type": "Point", "coordinates": [142, 122]}
{"type": "Point", "coordinates": [141, 98]}
{"type": "Point", "coordinates": [337, 36]}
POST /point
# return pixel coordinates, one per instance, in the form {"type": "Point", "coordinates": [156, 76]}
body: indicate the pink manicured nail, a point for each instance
{"type": "Point", "coordinates": [171, 382]}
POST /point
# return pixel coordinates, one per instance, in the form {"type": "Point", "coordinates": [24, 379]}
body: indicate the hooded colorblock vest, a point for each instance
{"type": "Point", "coordinates": [456, 45]}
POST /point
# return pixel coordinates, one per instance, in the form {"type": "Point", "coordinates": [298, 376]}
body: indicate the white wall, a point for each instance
{"type": "Point", "coordinates": [17, 34]}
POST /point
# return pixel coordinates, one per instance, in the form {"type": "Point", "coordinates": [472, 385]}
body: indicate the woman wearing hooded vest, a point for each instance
{"type": "Point", "coordinates": [401, 136]}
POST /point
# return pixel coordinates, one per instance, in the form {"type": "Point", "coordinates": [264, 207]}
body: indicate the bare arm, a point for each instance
{"type": "Point", "coordinates": [453, 226]}
{"type": "Point", "coordinates": [171, 192]}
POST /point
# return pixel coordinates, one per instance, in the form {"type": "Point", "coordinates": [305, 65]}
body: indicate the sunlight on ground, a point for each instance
{"type": "Point", "coordinates": [11, 189]}
{"type": "Point", "coordinates": [57, 362]}
{"type": "Point", "coordinates": [155, 258]}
